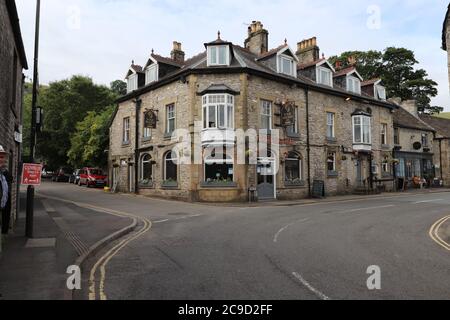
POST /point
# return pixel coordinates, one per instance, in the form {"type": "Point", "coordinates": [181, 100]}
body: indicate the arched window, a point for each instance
{"type": "Point", "coordinates": [146, 169]}
{"type": "Point", "coordinates": [171, 167]}
{"type": "Point", "coordinates": [219, 168]}
{"type": "Point", "coordinates": [293, 168]}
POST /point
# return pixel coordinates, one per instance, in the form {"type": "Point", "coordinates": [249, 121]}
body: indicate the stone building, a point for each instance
{"type": "Point", "coordinates": [12, 63]}
{"type": "Point", "coordinates": [313, 123]}
{"type": "Point", "coordinates": [414, 146]}
{"type": "Point", "coordinates": [446, 38]}
{"type": "Point", "coordinates": [441, 146]}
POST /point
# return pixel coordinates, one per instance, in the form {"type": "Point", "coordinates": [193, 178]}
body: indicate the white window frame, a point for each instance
{"type": "Point", "coordinates": [132, 82]}
{"type": "Point", "coordinates": [320, 79]}
{"type": "Point", "coordinates": [126, 130]}
{"type": "Point", "coordinates": [380, 92]}
{"type": "Point", "coordinates": [332, 124]}
{"type": "Point", "coordinates": [293, 70]}
{"type": "Point", "coordinates": [334, 161]}
{"type": "Point", "coordinates": [365, 123]}
{"type": "Point", "coordinates": [384, 132]}
{"type": "Point", "coordinates": [168, 157]}
{"type": "Point", "coordinates": [425, 140]}
{"type": "Point", "coordinates": [153, 69]}
{"type": "Point", "coordinates": [354, 84]}
{"type": "Point", "coordinates": [216, 56]}
{"type": "Point", "coordinates": [263, 105]}
{"type": "Point", "coordinates": [218, 101]}
{"type": "Point", "coordinates": [385, 166]}
{"type": "Point", "coordinates": [171, 115]}
{"type": "Point", "coordinates": [299, 160]}
{"type": "Point", "coordinates": [142, 165]}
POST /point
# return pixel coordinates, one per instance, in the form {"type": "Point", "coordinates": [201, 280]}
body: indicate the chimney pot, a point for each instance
{"type": "Point", "coordinates": [308, 51]}
{"type": "Point", "coordinates": [258, 38]}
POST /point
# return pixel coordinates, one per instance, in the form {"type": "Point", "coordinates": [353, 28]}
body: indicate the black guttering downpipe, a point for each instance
{"type": "Point", "coordinates": [308, 142]}
{"type": "Point", "coordinates": [138, 102]}
{"type": "Point", "coordinates": [440, 159]}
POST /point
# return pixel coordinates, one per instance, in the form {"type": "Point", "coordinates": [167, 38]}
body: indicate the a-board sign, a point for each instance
{"type": "Point", "coordinates": [318, 190]}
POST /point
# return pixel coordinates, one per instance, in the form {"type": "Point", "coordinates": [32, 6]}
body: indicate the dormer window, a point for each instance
{"type": "Point", "coordinates": [151, 73]}
{"type": "Point", "coordinates": [132, 83]}
{"type": "Point", "coordinates": [380, 92]}
{"type": "Point", "coordinates": [353, 84]}
{"type": "Point", "coordinates": [219, 55]}
{"type": "Point", "coordinates": [324, 76]}
{"type": "Point", "coordinates": [286, 65]}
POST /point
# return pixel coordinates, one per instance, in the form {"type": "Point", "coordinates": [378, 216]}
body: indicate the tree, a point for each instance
{"type": "Point", "coordinates": [91, 140]}
{"type": "Point", "coordinates": [65, 104]}
{"type": "Point", "coordinates": [119, 87]}
{"type": "Point", "coordinates": [396, 67]}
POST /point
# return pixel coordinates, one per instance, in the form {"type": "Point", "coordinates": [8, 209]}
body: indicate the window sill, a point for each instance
{"type": "Point", "coordinates": [293, 135]}
{"type": "Point", "coordinates": [144, 139]}
{"type": "Point", "coordinates": [333, 174]}
{"type": "Point", "coordinates": [385, 147]}
{"type": "Point", "coordinates": [218, 185]}
{"type": "Point", "coordinates": [169, 185]}
{"type": "Point", "coordinates": [168, 136]}
{"type": "Point", "coordinates": [147, 186]}
{"type": "Point", "coordinates": [299, 184]}
{"type": "Point", "coordinates": [125, 144]}
{"type": "Point", "coordinates": [331, 140]}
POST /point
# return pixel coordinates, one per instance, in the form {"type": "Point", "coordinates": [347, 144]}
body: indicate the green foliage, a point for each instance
{"type": "Point", "coordinates": [396, 67]}
{"type": "Point", "coordinates": [119, 87]}
{"type": "Point", "coordinates": [91, 139]}
{"type": "Point", "coordinates": [65, 104]}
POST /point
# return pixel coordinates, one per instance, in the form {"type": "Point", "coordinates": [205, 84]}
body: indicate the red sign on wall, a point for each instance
{"type": "Point", "coordinates": [31, 174]}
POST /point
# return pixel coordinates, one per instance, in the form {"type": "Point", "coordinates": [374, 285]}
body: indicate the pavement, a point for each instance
{"type": "Point", "coordinates": [301, 250]}
{"type": "Point", "coordinates": [35, 269]}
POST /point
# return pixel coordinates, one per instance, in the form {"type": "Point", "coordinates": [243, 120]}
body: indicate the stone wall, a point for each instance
{"type": "Point", "coordinates": [10, 98]}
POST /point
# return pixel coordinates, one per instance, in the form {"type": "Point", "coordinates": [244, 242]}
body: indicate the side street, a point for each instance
{"type": "Point", "coordinates": [274, 160]}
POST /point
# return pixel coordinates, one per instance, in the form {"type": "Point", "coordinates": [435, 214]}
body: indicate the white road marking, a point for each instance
{"type": "Point", "coordinates": [161, 221]}
{"type": "Point", "coordinates": [275, 239]}
{"type": "Point", "coordinates": [310, 287]}
{"type": "Point", "coordinates": [178, 219]}
{"type": "Point", "coordinates": [428, 201]}
{"type": "Point", "coordinates": [370, 208]}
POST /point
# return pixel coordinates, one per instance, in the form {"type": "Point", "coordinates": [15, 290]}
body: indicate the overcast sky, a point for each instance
{"type": "Point", "coordinates": [100, 38]}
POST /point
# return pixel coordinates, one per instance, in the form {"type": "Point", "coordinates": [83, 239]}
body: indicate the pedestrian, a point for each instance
{"type": "Point", "coordinates": [5, 191]}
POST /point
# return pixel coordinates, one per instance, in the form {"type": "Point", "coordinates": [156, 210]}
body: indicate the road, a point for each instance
{"type": "Point", "coordinates": [303, 252]}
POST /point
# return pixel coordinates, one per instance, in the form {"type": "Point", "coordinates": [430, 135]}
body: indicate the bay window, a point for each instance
{"type": "Point", "coordinates": [362, 130]}
{"type": "Point", "coordinates": [218, 111]}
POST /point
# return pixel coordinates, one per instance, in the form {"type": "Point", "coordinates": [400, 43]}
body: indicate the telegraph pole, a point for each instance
{"type": "Point", "coordinates": [30, 191]}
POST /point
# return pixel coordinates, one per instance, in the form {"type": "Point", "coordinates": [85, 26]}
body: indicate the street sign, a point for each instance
{"type": "Point", "coordinates": [31, 174]}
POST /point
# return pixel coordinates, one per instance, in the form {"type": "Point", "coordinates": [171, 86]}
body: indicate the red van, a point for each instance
{"type": "Point", "coordinates": [92, 177]}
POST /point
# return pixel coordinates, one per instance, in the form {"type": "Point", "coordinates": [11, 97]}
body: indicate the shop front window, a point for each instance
{"type": "Point", "coordinates": [219, 168]}
{"type": "Point", "coordinates": [293, 168]}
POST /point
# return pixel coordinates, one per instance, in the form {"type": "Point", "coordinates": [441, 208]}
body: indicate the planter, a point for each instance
{"type": "Point", "coordinates": [169, 184]}
{"type": "Point", "coordinates": [219, 184]}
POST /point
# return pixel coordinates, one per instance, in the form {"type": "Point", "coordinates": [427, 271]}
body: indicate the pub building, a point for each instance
{"type": "Point", "coordinates": [322, 123]}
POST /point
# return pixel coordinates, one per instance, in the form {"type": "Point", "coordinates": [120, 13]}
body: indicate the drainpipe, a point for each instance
{"type": "Point", "coordinates": [308, 142]}
{"type": "Point", "coordinates": [440, 159]}
{"type": "Point", "coordinates": [138, 103]}
{"type": "Point", "coordinates": [394, 170]}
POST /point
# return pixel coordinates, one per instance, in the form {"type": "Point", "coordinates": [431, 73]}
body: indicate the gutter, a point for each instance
{"type": "Point", "coordinates": [308, 142]}
{"type": "Point", "coordinates": [138, 103]}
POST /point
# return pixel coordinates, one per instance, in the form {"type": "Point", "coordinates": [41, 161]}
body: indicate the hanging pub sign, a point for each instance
{"type": "Point", "coordinates": [287, 114]}
{"type": "Point", "coordinates": [150, 119]}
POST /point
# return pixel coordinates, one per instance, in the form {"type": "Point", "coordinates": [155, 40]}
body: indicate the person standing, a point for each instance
{"type": "Point", "coordinates": [5, 191]}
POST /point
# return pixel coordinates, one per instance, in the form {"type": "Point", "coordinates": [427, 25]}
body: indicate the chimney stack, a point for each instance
{"type": "Point", "coordinates": [258, 38]}
{"type": "Point", "coordinates": [411, 107]}
{"type": "Point", "coordinates": [308, 51]}
{"type": "Point", "coordinates": [177, 53]}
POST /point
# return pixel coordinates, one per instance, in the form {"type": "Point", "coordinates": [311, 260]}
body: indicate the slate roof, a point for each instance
{"type": "Point", "coordinates": [441, 125]}
{"type": "Point", "coordinates": [243, 60]}
{"type": "Point", "coordinates": [344, 71]}
{"type": "Point", "coordinates": [370, 82]}
{"type": "Point", "coordinates": [310, 64]}
{"type": "Point", "coordinates": [404, 119]}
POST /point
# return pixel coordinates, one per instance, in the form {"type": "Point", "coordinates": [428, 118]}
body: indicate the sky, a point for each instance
{"type": "Point", "coordinates": [100, 38]}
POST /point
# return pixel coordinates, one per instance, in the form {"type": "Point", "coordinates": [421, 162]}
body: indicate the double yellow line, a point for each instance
{"type": "Point", "coordinates": [434, 233]}
{"type": "Point", "coordinates": [106, 258]}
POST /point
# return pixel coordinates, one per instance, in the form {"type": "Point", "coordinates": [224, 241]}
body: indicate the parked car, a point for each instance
{"type": "Point", "coordinates": [92, 177]}
{"type": "Point", "coordinates": [62, 175]}
{"type": "Point", "coordinates": [47, 174]}
{"type": "Point", "coordinates": [75, 177]}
